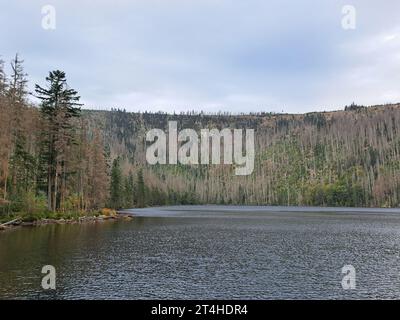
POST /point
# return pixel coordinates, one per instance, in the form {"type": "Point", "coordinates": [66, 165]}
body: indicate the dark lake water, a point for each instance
{"type": "Point", "coordinates": [207, 252]}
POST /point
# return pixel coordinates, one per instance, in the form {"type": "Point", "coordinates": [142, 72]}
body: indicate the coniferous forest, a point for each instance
{"type": "Point", "coordinates": [58, 158]}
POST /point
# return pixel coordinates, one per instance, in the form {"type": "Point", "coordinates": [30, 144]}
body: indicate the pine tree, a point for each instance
{"type": "Point", "coordinates": [59, 106]}
{"type": "Point", "coordinates": [129, 191]}
{"type": "Point", "coordinates": [116, 188]}
{"type": "Point", "coordinates": [140, 192]}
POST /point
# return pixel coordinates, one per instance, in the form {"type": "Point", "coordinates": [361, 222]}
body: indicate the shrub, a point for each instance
{"type": "Point", "coordinates": [108, 212]}
{"type": "Point", "coordinates": [33, 204]}
{"type": "Point", "coordinates": [72, 203]}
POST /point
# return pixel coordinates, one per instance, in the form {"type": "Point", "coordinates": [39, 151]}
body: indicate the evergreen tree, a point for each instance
{"type": "Point", "coordinates": [59, 105]}
{"type": "Point", "coordinates": [129, 191]}
{"type": "Point", "coordinates": [140, 192]}
{"type": "Point", "coordinates": [116, 187]}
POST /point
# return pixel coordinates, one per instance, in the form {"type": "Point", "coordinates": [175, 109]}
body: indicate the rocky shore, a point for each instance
{"type": "Point", "coordinates": [85, 219]}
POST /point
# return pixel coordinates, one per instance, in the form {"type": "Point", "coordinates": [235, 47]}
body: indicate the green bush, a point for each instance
{"type": "Point", "coordinates": [33, 204]}
{"type": "Point", "coordinates": [72, 203]}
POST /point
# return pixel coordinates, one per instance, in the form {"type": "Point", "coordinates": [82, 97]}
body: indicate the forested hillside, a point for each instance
{"type": "Point", "coordinates": [56, 157]}
{"type": "Point", "coordinates": [343, 158]}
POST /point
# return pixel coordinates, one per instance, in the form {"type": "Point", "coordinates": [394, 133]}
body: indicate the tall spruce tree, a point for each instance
{"type": "Point", "coordinates": [116, 186]}
{"type": "Point", "coordinates": [129, 191]}
{"type": "Point", "coordinates": [140, 192]}
{"type": "Point", "coordinates": [59, 106]}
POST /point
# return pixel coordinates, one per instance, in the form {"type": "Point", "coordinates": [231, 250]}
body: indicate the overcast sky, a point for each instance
{"type": "Point", "coordinates": [231, 55]}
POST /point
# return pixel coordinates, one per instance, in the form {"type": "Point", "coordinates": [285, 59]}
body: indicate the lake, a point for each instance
{"type": "Point", "coordinates": [209, 252]}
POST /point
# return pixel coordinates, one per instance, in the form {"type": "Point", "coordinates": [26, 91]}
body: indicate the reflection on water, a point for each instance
{"type": "Point", "coordinates": [208, 252]}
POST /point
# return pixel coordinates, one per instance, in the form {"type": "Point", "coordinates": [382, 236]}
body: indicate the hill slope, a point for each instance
{"type": "Point", "coordinates": [342, 158]}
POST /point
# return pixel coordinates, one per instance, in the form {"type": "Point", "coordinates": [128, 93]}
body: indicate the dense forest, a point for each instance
{"type": "Point", "coordinates": [49, 160]}
{"type": "Point", "coordinates": [341, 158]}
{"type": "Point", "coordinates": [57, 157]}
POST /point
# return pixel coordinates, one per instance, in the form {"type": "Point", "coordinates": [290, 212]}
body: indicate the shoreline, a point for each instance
{"type": "Point", "coordinates": [18, 222]}
{"type": "Point", "coordinates": [127, 214]}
